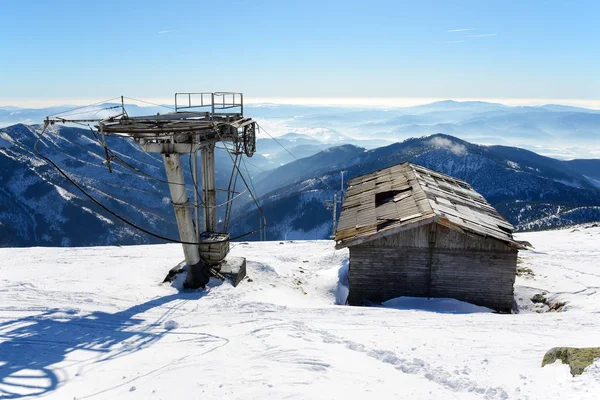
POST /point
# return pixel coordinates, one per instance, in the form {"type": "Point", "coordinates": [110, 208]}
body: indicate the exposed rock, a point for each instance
{"type": "Point", "coordinates": [525, 272]}
{"type": "Point", "coordinates": [538, 298]}
{"type": "Point", "coordinates": [525, 243]}
{"type": "Point", "coordinates": [176, 270]}
{"type": "Point", "coordinates": [577, 358]}
{"type": "Point", "coordinates": [541, 308]}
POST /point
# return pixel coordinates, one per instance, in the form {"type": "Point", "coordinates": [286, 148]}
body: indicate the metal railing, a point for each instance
{"type": "Point", "coordinates": [216, 101]}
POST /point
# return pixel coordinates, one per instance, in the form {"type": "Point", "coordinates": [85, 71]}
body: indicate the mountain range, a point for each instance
{"type": "Point", "coordinates": [558, 131]}
{"type": "Point", "coordinates": [554, 130]}
{"type": "Point", "coordinates": [530, 190]}
{"type": "Point", "coordinates": [38, 206]}
{"type": "Point", "coordinates": [297, 168]}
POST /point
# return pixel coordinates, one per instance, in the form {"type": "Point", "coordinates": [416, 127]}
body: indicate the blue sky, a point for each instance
{"type": "Point", "coordinates": [66, 51]}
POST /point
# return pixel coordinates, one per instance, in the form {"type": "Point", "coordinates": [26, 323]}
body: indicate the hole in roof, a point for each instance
{"type": "Point", "coordinates": [504, 229]}
{"type": "Point", "coordinates": [381, 226]}
{"type": "Point", "coordinates": [387, 196]}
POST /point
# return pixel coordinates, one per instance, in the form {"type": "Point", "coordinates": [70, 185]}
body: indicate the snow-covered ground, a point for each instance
{"type": "Point", "coordinates": [80, 323]}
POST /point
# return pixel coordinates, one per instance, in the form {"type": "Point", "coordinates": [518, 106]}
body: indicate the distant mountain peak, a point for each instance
{"type": "Point", "coordinates": [465, 103]}
{"type": "Point", "coordinates": [446, 102]}
{"type": "Point", "coordinates": [343, 147]}
{"type": "Point", "coordinates": [444, 135]}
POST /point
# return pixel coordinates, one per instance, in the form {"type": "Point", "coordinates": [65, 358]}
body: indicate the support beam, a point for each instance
{"type": "Point", "coordinates": [197, 275]}
{"type": "Point", "coordinates": [333, 229]}
{"type": "Point", "coordinates": [195, 184]}
{"type": "Point", "coordinates": [430, 254]}
{"type": "Point", "coordinates": [209, 194]}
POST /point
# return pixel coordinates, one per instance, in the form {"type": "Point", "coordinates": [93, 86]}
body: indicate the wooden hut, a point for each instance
{"type": "Point", "coordinates": [412, 231]}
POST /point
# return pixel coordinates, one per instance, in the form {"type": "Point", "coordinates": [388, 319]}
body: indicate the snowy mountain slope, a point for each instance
{"type": "Point", "coordinates": [459, 153]}
{"type": "Point", "coordinates": [280, 152]}
{"type": "Point", "coordinates": [530, 190]}
{"type": "Point", "coordinates": [589, 168]}
{"type": "Point", "coordinates": [40, 207]}
{"type": "Point", "coordinates": [112, 331]}
{"type": "Point", "coordinates": [333, 158]}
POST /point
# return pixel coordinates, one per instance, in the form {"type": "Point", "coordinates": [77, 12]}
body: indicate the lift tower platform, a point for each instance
{"type": "Point", "coordinates": [199, 121]}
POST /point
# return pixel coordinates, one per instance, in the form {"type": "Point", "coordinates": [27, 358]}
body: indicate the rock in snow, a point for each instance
{"type": "Point", "coordinates": [284, 335]}
{"type": "Point", "coordinates": [171, 325]}
{"type": "Point", "coordinates": [577, 359]}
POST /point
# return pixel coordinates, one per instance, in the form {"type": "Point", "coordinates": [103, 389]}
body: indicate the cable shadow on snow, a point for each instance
{"type": "Point", "coordinates": [30, 346]}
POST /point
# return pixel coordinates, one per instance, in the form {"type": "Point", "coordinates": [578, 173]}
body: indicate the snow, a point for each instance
{"type": "Point", "coordinates": [568, 183]}
{"type": "Point", "coordinates": [5, 140]}
{"type": "Point", "coordinates": [595, 182]}
{"type": "Point", "coordinates": [65, 194]}
{"type": "Point", "coordinates": [80, 323]}
{"type": "Point", "coordinates": [99, 216]}
{"type": "Point", "coordinates": [513, 164]}
{"type": "Point", "coordinates": [566, 264]}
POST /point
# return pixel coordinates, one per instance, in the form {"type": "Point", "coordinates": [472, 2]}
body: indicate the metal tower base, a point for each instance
{"type": "Point", "coordinates": [231, 268]}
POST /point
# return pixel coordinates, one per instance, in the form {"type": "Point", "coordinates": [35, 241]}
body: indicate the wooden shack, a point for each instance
{"type": "Point", "coordinates": [415, 232]}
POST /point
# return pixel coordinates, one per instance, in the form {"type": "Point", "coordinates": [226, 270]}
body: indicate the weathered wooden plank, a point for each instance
{"type": "Point", "coordinates": [483, 275]}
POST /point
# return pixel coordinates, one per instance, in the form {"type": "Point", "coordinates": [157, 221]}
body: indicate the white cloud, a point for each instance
{"type": "Point", "coordinates": [165, 31]}
{"type": "Point", "coordinates": [443, 143]}
{"type": "Point", "coordinates": [454, 41]}
{"type": "Point", "coordinates": [461, 30]}
{"type": "Point", "coordinates": [482, 35]}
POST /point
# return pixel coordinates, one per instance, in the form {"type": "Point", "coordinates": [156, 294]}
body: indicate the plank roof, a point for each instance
{"type": "Point", "coordinates": [407, 195]}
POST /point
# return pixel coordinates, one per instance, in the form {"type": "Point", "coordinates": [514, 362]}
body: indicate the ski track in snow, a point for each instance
{"type": "Point", "coordinates": [95, 323]}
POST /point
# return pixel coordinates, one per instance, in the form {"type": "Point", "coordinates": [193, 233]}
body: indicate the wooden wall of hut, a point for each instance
{"type": "Point", "coordinates": [434, 261]}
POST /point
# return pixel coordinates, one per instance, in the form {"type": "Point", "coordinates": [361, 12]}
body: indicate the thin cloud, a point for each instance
{"type": "Point", "coordinates": [454, 41]}
{"type": "Point", "coordinates": [461, 30]}
{"type": "Point", "coordinates": [482, 35]}
{"type": "Point", "coordinates": [165, 31]}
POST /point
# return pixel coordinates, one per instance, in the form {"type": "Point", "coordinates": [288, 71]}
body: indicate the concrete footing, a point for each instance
{"type": "Point", "coordinates": [233, 268]}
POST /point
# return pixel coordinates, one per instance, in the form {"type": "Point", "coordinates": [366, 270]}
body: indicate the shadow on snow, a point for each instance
{"type": "Point", "coordinates": [31, 345]}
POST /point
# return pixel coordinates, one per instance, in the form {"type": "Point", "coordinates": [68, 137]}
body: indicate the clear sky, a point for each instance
{"type": "Point", "coordinates": [73, 51]}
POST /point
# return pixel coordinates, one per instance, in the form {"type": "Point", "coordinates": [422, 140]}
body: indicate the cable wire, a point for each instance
{"type": "Point", "coordinates": [148, 102]}
{"type": "Point", "coordinates": [277, 141]}
{"type": "Point", "coordinates": [89, 105]}
{"type": "Point", "coordinates": [251, 194]}
{"type": "Point", "coordinates": [113, 213]}
{"type": "Point", "coordinates": [283, 147]}
{"type": "Point", "coordinates": [114, 156]}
